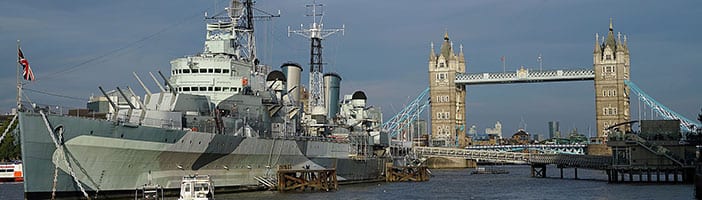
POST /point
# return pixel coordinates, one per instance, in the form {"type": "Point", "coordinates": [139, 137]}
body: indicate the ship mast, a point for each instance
{"type": "Point", "coordinates": [238, 25]}
{"type": "Point", "coordinates": [316, 33]}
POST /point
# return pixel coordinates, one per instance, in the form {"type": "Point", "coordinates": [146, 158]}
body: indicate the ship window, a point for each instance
{"type": "Point", "coordinates": [186, 71]}
{"type": "Point", "coordinates": [203, 88]}
{"type": "Point", "coordinates": [225, 71]}
{"type": "Point", "coordinates": [194, 71]}
{"type": "Point", "coordinates": [218, 70]}
{"type": "Point", "coordinates": [195, 89]}
{"type": "Point", "coordinates": [186, 89]}
{"type": "Point", "coordinates": [203, 70]}
{"type": "Point", "coordinates": [226, 89]}
{"type": "Point", "coordinates": [218, 89]}
{"type": "Point", "coordinates": [210, 70]}
{"type": "Point", "coordinates": [209, 88]}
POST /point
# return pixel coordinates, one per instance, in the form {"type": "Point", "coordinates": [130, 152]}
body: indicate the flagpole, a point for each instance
{"type": "Point", "coordinates": [19, 84]}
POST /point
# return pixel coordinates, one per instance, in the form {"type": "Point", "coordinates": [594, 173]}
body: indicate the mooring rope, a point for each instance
{"type": "Point", "coordinates": [59, 147]}
{"type": "Point", "coordinates": [8, 128]}
{"type": "Point", "coordinates": [53, 188]}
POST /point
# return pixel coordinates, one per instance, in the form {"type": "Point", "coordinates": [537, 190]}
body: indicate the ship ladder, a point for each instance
{"type": "Point", "coordinates": [60, 147]}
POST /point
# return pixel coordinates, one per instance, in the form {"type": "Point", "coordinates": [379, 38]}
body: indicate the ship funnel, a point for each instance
{"type": "Point", "coordinates": [332, 83]}
{"type": "Point", "coordinates": [292, 71]}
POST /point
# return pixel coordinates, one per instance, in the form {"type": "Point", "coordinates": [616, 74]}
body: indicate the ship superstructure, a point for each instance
{"type": "Point", "coordinates": [227, 64]}
{"type": "Point", "coordinates": [221, 113]}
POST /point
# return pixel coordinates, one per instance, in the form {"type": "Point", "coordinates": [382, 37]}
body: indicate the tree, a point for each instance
{"type": "Point", "coordinates": [9, 147]}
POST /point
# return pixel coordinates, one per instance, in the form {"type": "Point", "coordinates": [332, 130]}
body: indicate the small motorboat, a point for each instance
{"type": "Point", "coordinates": [482, 170]}
{"type": "Point", "coordinates": [197, 187]}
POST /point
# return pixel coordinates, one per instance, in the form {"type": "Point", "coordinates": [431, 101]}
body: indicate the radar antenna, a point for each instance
{"type": "Point", "coordinates": [316, 33]}
{"type": "Point", "coordinates": [235, 10]}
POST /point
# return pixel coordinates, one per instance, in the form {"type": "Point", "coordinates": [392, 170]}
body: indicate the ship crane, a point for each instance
{"type": "Point", "coordinates": [316, 33]}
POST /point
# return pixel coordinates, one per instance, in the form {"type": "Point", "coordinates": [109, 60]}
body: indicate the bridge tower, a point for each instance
{"type": "Point", "coordinates": [448, 123]}
{"type": "Point", "coordinates": [611, 66]}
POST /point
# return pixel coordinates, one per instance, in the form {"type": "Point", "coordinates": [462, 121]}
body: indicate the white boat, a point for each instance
{"type": "Point", "coordinates": [11, 172]}
{"type": "Point", "coordinates": [197, 187]}
{"type": "Point", "coordinates": [149, 191]}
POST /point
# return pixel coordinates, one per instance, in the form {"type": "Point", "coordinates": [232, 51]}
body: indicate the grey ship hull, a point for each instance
{"type": "Point", "coordinates": [113, 159]}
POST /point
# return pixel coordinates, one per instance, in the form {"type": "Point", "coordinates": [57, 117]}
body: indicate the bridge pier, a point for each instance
{"type": "Point", "coordinates": [648, 175]}
{"type": "Point", "coordinates": [538, 170]}
{"type": "Point", "coordinates": [629, 175]}
{"type": "Point", "coordinates": [561, 168]}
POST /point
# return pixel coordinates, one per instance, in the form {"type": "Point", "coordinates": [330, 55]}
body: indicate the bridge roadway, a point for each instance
{"type": "Point", "coordinates": [564, 160]}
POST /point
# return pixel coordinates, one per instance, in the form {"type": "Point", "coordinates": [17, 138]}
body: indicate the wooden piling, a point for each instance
{"type": "Point", "coordinates": [303, 180]}
{"type": "Point", "coordinates": [406, 174]}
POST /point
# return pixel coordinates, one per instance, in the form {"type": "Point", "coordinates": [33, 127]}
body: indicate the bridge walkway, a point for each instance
{"type": "Point", "coordinates": [566, 160]}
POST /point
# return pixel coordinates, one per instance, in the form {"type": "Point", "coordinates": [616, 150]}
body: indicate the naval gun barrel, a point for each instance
{"type": "Point", "coordinates": [142, 84]}
{"type": "Point", "coordinates": [167, 82]}
{"type": "Point", "coordinates": [109, 100]}
{"type": "Point", "coordinates": [131, 105]}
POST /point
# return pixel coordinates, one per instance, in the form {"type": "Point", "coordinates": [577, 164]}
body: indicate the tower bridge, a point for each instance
{"type": "Point", "coordinates": [448, 80]}
{"type": "Point", "coordinates": [446, 94]}
{"type": "Point", "coordinates": [625, 154]}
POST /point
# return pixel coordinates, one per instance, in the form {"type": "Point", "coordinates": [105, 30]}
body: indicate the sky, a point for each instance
{"type": "Point", "coordinates": [75, 47]}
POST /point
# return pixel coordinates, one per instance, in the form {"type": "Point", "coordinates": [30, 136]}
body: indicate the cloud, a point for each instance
{"type": "Point", "coordinates": [384, 51]}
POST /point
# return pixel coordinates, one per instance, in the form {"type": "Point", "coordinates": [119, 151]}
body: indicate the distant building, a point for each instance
{"type": "Point", "coordinates": [418, 128]}
{"type": "Point", "coordinates": [473, 130]}
{"type": "Point", "coordinates": [497, 130]}
{"type": "Point", "coordinates": [521, 137]}
{"type": "Point", "coordinates": [537, 137]}
{"type": "Point", "coordinates": [554, 130]}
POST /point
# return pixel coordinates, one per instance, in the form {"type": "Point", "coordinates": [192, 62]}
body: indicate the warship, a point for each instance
{"type": "Point", "coordinates": [220, 113]}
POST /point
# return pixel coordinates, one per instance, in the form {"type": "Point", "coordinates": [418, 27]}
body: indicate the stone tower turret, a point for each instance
{"type": "Point", "coordinates": [448, 100]}
{"type": "Point", "coordinates": [611, 65]}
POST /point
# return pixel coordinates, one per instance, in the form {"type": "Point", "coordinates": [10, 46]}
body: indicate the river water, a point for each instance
{"type": "Point", "coordinates": [460, 184]}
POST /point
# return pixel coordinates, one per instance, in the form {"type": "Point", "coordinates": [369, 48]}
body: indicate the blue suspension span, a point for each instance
{"type": "Point", "coordinates": [403, 119]}
{"type": "Point", "coordinates": [407, 115]}
{"type": "Point", "coordinates": [663, 111]}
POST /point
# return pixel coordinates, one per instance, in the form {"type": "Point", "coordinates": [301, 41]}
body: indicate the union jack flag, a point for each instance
{"type": "Point", "coordinates": [26, 70]}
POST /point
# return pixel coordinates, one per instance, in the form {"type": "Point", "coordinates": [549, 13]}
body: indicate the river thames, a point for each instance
{"type": "Point", "coordinates": [460, 184]}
